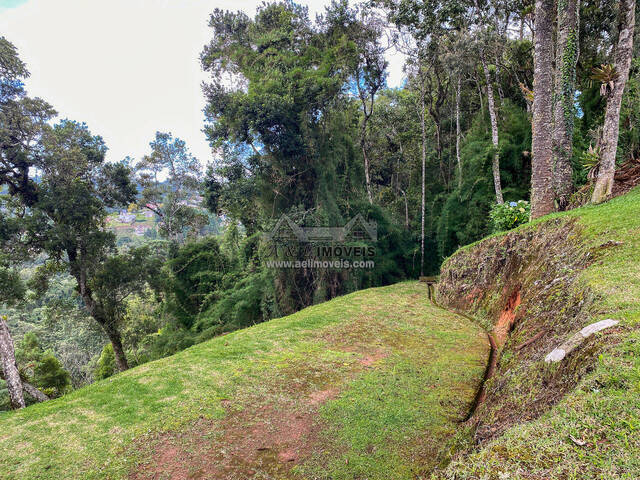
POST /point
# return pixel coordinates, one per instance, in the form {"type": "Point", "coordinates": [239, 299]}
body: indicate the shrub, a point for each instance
{"type": "Point", "coordinates": [106, 365]}
{"type": "Point", "coordinates": [505, 216]}
{"type": "Point", "coordinates": [41, 367]}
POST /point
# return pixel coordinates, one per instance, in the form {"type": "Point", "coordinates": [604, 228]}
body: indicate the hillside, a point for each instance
{"type": "Point", "coordinates": [370, 383]}
{"type": "Point", "coordinates": [382, 384]}
{"type": "Point", "coordinates": [535, 288]}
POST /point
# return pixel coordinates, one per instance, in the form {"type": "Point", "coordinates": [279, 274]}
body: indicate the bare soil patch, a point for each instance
{"type": "Point", "coordinates": [260, 442]}
{"type": "Point", "coordinates": [507, 318]}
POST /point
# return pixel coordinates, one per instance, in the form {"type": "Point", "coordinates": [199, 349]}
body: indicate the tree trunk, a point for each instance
{"type": "Point", "coordinates": [10, 367]}
{"type": "Point", "coordinates": [521, 30]}
{"type": "Point", "coordinates": [367, 177]}
{"type": "Point", "coordinates": [567, 52]}
{"type": "Point", "coordinates": [97, 311]}
{"type": "Point", "coordinates": [424, 163]}
{"type": "Point", "coordinates": [34, 392]}
{"type": "Point", "coordinates": [118, 351]}
{"type": "Point", "coordinates": [609, 144]}
{"type": "Point", "coordinates": [30, 389]}
{"type": "Point", "coordinates": [542, 196]}
{"type": "Point", "coordinates": [495, 165]}
{"type": "Point", "coordinates": [458, 133]}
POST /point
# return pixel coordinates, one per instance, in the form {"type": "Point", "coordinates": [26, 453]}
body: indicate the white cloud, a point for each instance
{"type": "Point", "coordinates": [125, 67]}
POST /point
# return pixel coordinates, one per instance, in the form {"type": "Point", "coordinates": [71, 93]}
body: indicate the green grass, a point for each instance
{"type": "Point", "coordinates": [391, 417]}
{"type": "Point", "coordinates": [603, 411]}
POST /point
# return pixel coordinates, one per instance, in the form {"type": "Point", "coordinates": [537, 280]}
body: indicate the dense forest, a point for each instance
{"type": "Point", "coordinates": [509, 110]}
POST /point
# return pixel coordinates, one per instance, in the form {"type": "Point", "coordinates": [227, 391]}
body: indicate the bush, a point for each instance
{"type": "Point", "coordinates": [50, 376]}
{"type": "Point", "coordinates": [41, 367]}
{"type": "Point", "coordinates": [106, 365]}
{"type": "Point", "coordinates": [505, 216]}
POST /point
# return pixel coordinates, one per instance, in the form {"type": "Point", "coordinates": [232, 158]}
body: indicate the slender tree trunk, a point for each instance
{"type": "Point", "coordinates": [498, 84]}
{"type": "Point", "coordinates": [458, 88]}
{"type": "Point", "coordinates": [610, 131]}
{"type": "Point", "coordinates": [97, 313]}
{"type": "Point", "coordinates": [406, 210]}
{"type": "Point", "coordinates": [367, 177]}
{"type": "Point", "coordinates": [424, 163]}
{"type": "Point", "coordinates": [10, 367]}
{"type": "Point", "coordinates": [475, 77]}
{"type": "Point", "coordinates": [567, 52]}
{"type": "Point", "coordinates": [495, 165]}
{"type": "Point", "coordinates": [404, 194]}
{"type": "Point", "coordinates": [542, 196]}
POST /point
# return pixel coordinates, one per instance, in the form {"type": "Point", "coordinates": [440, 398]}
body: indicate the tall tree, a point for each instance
{"type": "Point", "coordinates": [170, 180]}
{"type": "Point", "coordinates": [493, 115]}
{"type": "Point", "coordinates": [22, 120]}
{"type": "Point", "coordinates": [542, 194]}
{"type": "Point", "coordinates": [567, 52]}
{"type": "Point", "coordinates": [68, 220]}
{"type": "Point", "coordinates": [610, 131]}
{"type": "Point", "coordinates": [358, 32]}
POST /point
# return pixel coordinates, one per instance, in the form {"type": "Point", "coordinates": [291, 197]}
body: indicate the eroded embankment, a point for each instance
{"type": "Point", "coordinates": [523, 288]}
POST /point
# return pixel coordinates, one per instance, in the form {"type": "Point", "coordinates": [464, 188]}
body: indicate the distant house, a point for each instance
{"type": "Point", "coordinates": [126, 217]}
{"type": "Point", "coordinates": [140, 230]}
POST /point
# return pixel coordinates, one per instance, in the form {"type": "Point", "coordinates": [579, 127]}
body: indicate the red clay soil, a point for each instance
{"type": "Point", "coordinates": [369, 360]}
{"type": "Point", "coordinates": [256, 439]}
{"type": "Point", "coordinates": [507, 319]}
{"type": "Point", "coordinates": [245, 444]}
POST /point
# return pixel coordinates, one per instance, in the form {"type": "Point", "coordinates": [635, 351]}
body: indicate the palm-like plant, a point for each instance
{"type": "Point", "coordinates": [606, 74]}
{"type": "Point", "coordinates": [591, 162]}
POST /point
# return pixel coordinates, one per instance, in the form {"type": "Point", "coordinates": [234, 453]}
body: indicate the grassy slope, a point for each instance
{"type": "Point", "coordinates": [604, 410]}
{"type": "Point", "coordinates": [391, 417]}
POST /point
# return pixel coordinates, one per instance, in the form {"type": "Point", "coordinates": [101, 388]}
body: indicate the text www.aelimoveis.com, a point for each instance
{"type": "Point", "coordinates": [342, 264]}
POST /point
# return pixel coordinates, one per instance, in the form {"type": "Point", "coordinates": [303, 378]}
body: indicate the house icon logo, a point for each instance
{"type": "Point", "coordinates": [356, 229]}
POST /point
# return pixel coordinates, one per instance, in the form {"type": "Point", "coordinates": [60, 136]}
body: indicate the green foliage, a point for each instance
{"type": "Point", "coordinates": [197, 271]}
{"type": "Point", "coordinates": [465, 213]}
{"type": "Point", "coordinates": [590, 161]}
{"type": "Point", "coordinates": [172, 199]}
{"type": "Point", "coordinates": [50, 376]}
{"type": "Point", "coordinates": [12, 288]}
{"type": "Point", "coordinates": [106, 364]}
{"type": "Point", "coordinates": [41, 368]}
{"type": "Point", "coordinates": [505, 216]}
{"type": "Point", "coordinates": [141, 324]}
{"type": "Point", "coordinates": [22, 123]}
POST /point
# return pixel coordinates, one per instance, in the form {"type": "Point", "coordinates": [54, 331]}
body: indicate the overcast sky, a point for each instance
{"type": "Point", "coordinates": [125, 67]}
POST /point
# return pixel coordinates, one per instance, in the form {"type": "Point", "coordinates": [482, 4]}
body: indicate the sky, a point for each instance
{"type": "Point", "coordinates": [127, 68]}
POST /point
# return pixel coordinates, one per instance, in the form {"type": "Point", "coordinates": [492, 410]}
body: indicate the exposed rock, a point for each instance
{"type": "Point", "coordinates": [560, 352]}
